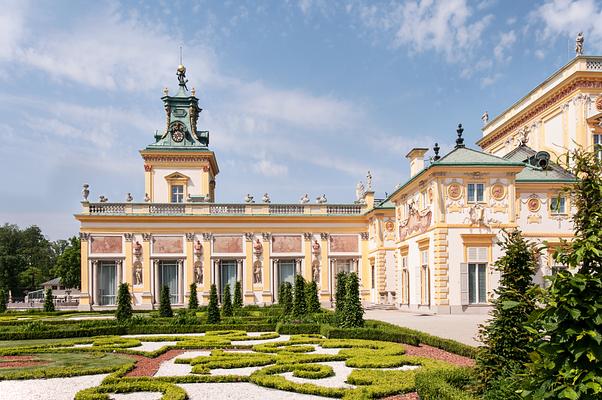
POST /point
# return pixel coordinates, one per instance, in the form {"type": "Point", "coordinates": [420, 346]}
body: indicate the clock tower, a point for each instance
{"type": "Point", "coordinates": [179, 167]}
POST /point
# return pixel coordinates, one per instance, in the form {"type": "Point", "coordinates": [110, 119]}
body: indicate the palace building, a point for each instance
{"type": "Point", "coordinates": [427, 247]}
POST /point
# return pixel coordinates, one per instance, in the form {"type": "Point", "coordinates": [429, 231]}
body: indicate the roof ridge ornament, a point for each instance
{"type": "Point", "coordinates": [436, 149]}
{"type": "Point", "coordinates": [460, 139]}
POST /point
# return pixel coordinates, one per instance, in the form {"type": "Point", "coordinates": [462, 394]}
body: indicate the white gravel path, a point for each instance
{"type": "Point", "coordinates": [137, 396]}
{"type": "Point", "coordinates": [161, 334]}
{"type": "Point", "coordinates": [152, 346]}
{"type": "Point", "coordinates": [44, 389]}
{"type": "Point", "coordinates": [322, 350]}
{"type": "Point", "coordinates": [237, 391]}
{"type": "Point", "coordinates": [281, 338]}
{"type": "Point", "coordinates": [341, 372]}
{"type": "Point", "coordinates": [170, 368]}
{"type": "Point", "coordinates": [246, 371]}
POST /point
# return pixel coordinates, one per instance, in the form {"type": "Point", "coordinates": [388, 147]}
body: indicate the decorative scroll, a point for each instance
{"type": "Point", "coordinates": [416, 223]}
{"type": "Point", "coordinates": [168, 245]}
{"type": "Point", "coordinates": [344, 244]}
{"type": "Point", "coordinates": [286, 244]}
{"type": "Point", "coordinates": [106, 244]}
{"type": "Point", "coordinates": [227, 244]}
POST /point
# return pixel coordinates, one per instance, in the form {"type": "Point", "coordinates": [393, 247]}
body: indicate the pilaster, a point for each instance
{"type": "Point", "coordinates": [441, 267]}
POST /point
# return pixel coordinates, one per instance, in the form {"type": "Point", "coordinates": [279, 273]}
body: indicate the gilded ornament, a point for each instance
{"type": "Point", "coordinates": [454, 191]}
{"type": "Point", "coordinates": [498, 191]}
{"type": "Point", "coordinates": [533, 204]}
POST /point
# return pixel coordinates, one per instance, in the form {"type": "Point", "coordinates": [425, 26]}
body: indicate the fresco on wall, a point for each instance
{"type": "Point", "coordinates": [168, 245]}
{"type": "Point", "coordinates": [227, 244]}
{"type": "Point", "coordinates": [106, 244]}
{"type": "Point", "coordinates": [415, 224]}
{"type": "Point", "coordinates": [344, 244]}
{"type": "Point", "coordinates": [286, 244]}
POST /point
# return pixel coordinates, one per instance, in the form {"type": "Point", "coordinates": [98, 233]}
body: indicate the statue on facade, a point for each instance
{"type": "Point", "coordinates": [181, 74]}
{"type": "Point", "coordinates": [257, 248]}
{"type": "Point", "coordinates": [266, 198]}
{"type": "Point", "coordinates": [146, 198]}
{"type": "Point", "coordinates": [137, 250]}
{"type": "Point", "coordinates": [103, 199]}
{"type": "Point", "coordinates": [129, 198]}
{"type": "Point", "coordinates": [315, 272]}
{"type": "Point", "coordinates": [138, 273]}
{"type": "Point", "coordinates": [249, 198]}
{"type": "Point", "coordinates": [315, 248]}
{"type": "Point", "coordinates": [304, 199]}
{"type": "Point", "coordinates": [579, 44]}
{"type": "Point", "coordinates": [369, 181]}
{"type": "Point", "coordinates": [359, 191]}
{"type": "Point", "coordinates": [321, 199]}
{"type": "Point", "coordinates": [257, 272]}
{"type": "Point", "coordinates": [198, 248]}
{"type": "Point", "coordinates": [485, 118]}
{"type": "Point", "coordinates": [85, 192]}
{"type": "Point", "coordinates": [198, 273]}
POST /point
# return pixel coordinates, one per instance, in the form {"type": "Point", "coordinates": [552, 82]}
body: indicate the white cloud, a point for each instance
{"type": "Point", "coordinates": [568, 17]}
{"type": "Point", "coordinates": [490, 80]}
{"type": "Point", "coordinates": [11, 27]}
{"type": "Point", "coordinates": [507, 39]}
{"type": "Point", "coordinates": [269, 168]}
{"type": "Point", "coordinates": [540, 54]}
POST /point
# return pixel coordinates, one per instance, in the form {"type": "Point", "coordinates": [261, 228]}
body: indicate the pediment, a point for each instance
{"type": "Point", "coordinates": [177, 176]}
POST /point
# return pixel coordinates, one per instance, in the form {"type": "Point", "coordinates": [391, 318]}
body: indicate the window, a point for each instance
{"type": "Point", "coordinates": [177, 194]}
{"type": "Point", "coordinates": [557, 205]}
{"type": "Point", "coordinates": [477, 275]}
{"type": "Point", "coordinates": [425, 296]}
{"type": "Point", "coordinates": [476, 192]}
{"type": "Point", "coordinates": [598, 145]}
{"type": "Point", "coordinates": [405, 281]}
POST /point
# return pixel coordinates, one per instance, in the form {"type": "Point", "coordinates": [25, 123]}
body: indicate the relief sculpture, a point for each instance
{"type": "Point", "coordinates": [416, 223]}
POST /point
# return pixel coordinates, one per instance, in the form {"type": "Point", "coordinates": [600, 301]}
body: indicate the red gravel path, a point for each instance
{"type": "Point", "coordinates": [20, 361]}
{"type": "Point", "coordinates": [149, 366]}
{"type": "Point", "coordinates": [438, 354]}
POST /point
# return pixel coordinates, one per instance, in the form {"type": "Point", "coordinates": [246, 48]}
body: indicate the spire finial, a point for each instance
{"type": "Point", "coordinates": [181, 72]}
{"type": "Point", "coordinates": [436, 149]}
{"type": "Point", "coordinates": [460, 139]}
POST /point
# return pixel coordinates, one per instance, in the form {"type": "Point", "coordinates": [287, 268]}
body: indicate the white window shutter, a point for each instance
{"type": "Point", "coordinates": [464, 283]}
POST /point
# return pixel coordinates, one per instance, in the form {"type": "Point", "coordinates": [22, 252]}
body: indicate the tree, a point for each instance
{"type": "Point", "coordinates": [68, 264]}
{"type": "Point", "coordinates": [567, 362]}
{"type": "Point", "coordinates": [353, 312]}
{"type": "Point", "coordinates": [311, 297]}
{"type": "Point", "coordinates": [193, 300]}
{"type": "Point", "coordinates": [506, 341]}
{"type": "Point", "coordinates": [48, 301]}
{"type": "Point", "coordinates": [285, 298]}
{"type": "Point", "coordinates": [165, 303]}
{"type": "Point", "coordinates": [339, 296]}
{"type": "Point", "coordinates": [213, 308]}
{"type": "Point", "coordinates": [237, 303]}
{"type": "Point", "coordinates": [227, 302]}
{"type": "Point", "coordinates": [124, 303]}
{"type": "Point", "coordinates": [299, 305]}
{"type": "Point", "coordinates": [2, 300]}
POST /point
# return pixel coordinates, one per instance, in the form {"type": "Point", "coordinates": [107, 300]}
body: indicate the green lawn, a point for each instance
{"type": "Point", "coordinates": [34, 342]}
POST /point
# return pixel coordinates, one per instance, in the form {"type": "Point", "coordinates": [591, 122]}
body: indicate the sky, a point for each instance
{"type": "Point", "coordinates": [299, 96]}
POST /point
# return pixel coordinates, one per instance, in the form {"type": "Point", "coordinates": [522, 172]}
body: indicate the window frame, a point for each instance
{"type": "Point", "coordinates": [558, 212]}
{"type": "Point", "coordinates": [425, 281]}
{"type": "Point", "coordinates": [475, 192]}
{"type": "Point", "coordinates": [597, 145]}
{"type": "Point", "coordinates": [172, 194]}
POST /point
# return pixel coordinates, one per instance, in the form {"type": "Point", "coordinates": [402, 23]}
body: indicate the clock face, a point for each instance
{"type": "Point", "coordinates": [177, 136]}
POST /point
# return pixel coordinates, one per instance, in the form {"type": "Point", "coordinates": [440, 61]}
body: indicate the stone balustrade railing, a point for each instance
{"type": "Point", "coordinates": [220, 209]}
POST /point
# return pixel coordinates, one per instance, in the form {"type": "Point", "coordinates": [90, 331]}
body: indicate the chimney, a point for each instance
{"type": "Point", "coordinates": [416, 157]}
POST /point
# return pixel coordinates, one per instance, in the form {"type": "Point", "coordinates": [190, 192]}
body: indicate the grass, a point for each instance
{"type": "Point", "coordinates": [33, 342]}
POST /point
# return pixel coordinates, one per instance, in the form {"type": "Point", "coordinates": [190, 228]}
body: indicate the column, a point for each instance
{"type": "Point", "coordinates": [85, 299]}
{"type": "Point", "coordinates": [181, 278]}
{"type": "Point", "coordinates": [155, 282]}
{"type": "Point", "coordinates": [94, 282]}
{"type": "Point", "coordinates": [270, 286]}
{"type": "Point", "coordinates": [207, 268]}
{"type": "Point", "coordinates": [364, 275]}
{"type": "Point", "coordinates": [307, 256]}
{"type": "Point", "coordinates": [147, 272]}
{"type": "Point", "coordinates": [246, 281]}
{"type": "Point", "coordinates": [188, 269]}
{"type": "Point", "coordinates": [128, 274]}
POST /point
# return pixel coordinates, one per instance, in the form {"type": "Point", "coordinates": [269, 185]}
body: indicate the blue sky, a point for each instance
{"type": "Point", "coordinates": [299, 96]}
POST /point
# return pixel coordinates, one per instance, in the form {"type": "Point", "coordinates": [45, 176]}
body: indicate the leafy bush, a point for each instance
{"type": "Point", "coordinates": [193, 300]}
{"type": "Point", "coordinates": [2, 300]}
{"type": "Point", "coordinates": [353, 312]}
{"type": "Point", "coordinates": [237, 302]}
{"type": "Point", "coordinates": [297, 329]}
{"type": "Point", "coordinates": [299, 305]}
{"type": "Point", "coordinates": [286, 299]}
{"type": "Point", "coordinates": [368, 334]}
{"type": "Point", "coordinates": [213, 316]}
{"type": "Point", "coordinates": [227, 302]}
{"type": "Point", "coordinates": [444, 384]}
{"type": "Point", "coordinates": [124, 303]}
{"type": "Point", "coordinates": [506, 341]}
{"type": "Point", "coordinates": [165, 303]}
{"type": "Point", "coordinates": [311, 297]}
{"type": "Point", "coordinates": [567, 362]}
{"type": "Point", "coordinates": [129, 385]}
{"type": "Point", "coordinates": [48, 303]}
{"type": "Point", "coordinates": [339, 296]}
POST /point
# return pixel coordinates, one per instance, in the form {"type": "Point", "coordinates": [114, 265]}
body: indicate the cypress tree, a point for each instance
{"type": "Point", "coordinates": [281, 294]}
{"type": "Point", "coordinates": [48, 303]}
{"type": "Point", "coordinates": [2, 300]}
{"type": "Point", "coordinates": [353, 312]}
{"type": "Point", "coordinates": [286, 297]}
{"type": "Point", "coordinates": [311, 297]}
{"type": "Point", "coordinates": [124, 303]}
{"type": "Point", "coordinates": [299, 304]}
{"type": "Point", "coordinates": [213, 308]}
{"type": "Point", "coordinates": [237, 302]}
{"type": "Point", "coordinates": [339, 296]}
{"type": "Point", "coordinates": [227, 302]}
{"type": "Point", "coordinates": [165, 303]}
{"type": "Point", "coordinates": [193, 300]}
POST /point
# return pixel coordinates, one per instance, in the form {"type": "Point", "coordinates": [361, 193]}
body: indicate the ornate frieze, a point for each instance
{"type": "Point", "coordinates": [128, 237]}
{"type": "Point", "coordinates": [84, 236]}
{"type": "Point", "coordinates": [146, 237]}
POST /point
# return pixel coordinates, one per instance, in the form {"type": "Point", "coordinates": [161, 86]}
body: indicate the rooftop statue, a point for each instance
{"type": "Point", "coordinates": [485, 118]}
{"type": "Point", "coordinates": [579, 44]}
{"type": "Point", "coordinates": [304, 199]}
{"type": "Point", "coordinates": [181, 74]}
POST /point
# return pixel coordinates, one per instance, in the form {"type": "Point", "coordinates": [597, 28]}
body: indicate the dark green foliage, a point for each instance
{"type": "Point", "coordinates": [3, 299]}
{"type": "Point", "coordinates": [506, 341]}
{"type": "Point", "coordinates": [193, 300]}
{"type": "Point", "coordinates": [48, 303]}
{"type": "Point", "coordinates": [286, 297]}
{"type": "Point", "coordinates": [124, 303]}
{"type": "Point", "coordinates": [339, 296]}
{"type": "Point", "coordinates": [567, 363]}
{"type": "Point", "coordinates": [299, 305]}
{"type": "Point", "coordinates": [237, 302]}
{"type": "Point", "coordinates": [227, 302]}
{"type": "Point", "coordinates": [311, 297]}
{"type": "Point", "coordinates": [353, 312]}
{"type": "Point", "coordinates": [213, 316]}
{"type": "Point", "coordinates": [444, 384]}
{"type": "Point", "coordinates": [68, 264]}
{"type": "Point", "coordinates": [165, 303]}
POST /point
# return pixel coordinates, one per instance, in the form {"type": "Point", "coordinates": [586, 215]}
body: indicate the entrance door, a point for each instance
{"type": "Point", "coordinates": [286, 272]}
{"type": "Point", "coordinates": [107, 282]}
{"type": "Point", "coordinates": [372, 283]}
{"type": "Point", "coordinates": [227, 276]}
{"type": "Point", "coordinates": [168, 276]}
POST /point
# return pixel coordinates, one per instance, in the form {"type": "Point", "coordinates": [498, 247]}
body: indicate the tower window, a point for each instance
{"type": "Point", "coordinates": [475, 192]}
{"type": "Point", "coordinates": [177, 194]}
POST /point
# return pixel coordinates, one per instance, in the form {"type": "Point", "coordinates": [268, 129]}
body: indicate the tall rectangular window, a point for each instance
{"type": "Point", "coordinates": [598, 145]}
{"type": "Point", "coordinates": [177, 194]}
{"type": "Point", "coordinates": [557, 205]}
{"type": "Point", "coordinates": [476, 192]}
{"type": "Point", "coordinates": [477, 275]}
{"type": "Point", "coordinates": [425, 284]}
{"type": "Point", "coordinates": [405, 281]}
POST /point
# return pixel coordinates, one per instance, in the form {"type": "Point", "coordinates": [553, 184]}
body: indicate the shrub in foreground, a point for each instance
{"type": "Point", "coordinates": [48, 303]}
{"type": "Point", "coordinates": [165, 303]}
{"type": "Point", "coordinates": [193, 300]}
{"type": "Point", "coordinates": [124, 303]}
{"type": "Point", "coordinates": [213, 316]}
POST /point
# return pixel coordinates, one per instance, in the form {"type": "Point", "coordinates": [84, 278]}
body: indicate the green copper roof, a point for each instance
{"type": "Point", "coordinates": [464, 156]}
